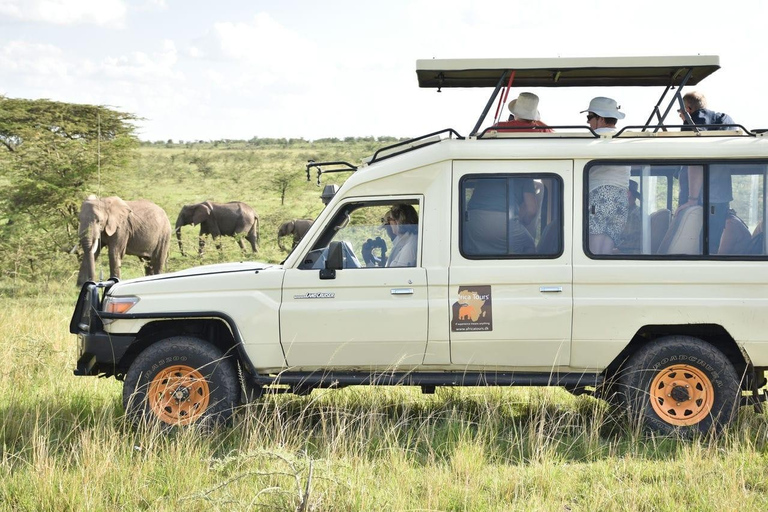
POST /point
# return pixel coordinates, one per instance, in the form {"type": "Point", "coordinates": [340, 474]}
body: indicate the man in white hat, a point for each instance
{"type": "Point", "coordinates": [525, 110]}
{"type": "Point", "coordinates": [603, 114]}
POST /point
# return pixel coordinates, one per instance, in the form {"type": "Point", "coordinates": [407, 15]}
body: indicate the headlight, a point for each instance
{"type": "Point", "coordinates": [119, 304]}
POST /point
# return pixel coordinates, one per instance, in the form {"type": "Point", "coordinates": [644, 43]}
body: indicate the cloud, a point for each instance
{"type": "Point", "coordinates": [265, 47]}
{"type": "Point", "coordinates": [142, 67]}
{"type": "Point", "coordinates": [32, 60]}
{"type": "Point", "coordinates": [66, 12]}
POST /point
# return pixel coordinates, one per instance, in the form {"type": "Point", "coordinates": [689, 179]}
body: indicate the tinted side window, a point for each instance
{"type": "Point", "coordinates": [511, 216]}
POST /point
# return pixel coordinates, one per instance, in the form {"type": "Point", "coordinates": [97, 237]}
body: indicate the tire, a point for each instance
{"type": "Point", "coordinates": [181, 381]}
{"type": "Point", "coordinates": [682, 385]}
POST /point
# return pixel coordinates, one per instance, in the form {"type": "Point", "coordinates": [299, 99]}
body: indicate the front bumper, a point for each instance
{"type": "Point", "coordinates": [99, 352]}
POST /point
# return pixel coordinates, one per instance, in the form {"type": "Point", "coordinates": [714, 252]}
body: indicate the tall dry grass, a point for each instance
{"type": "Point", "coordinates": [66, 446]}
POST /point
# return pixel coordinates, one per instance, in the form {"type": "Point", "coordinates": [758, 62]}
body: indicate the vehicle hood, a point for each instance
{"type": "Point", "coordinates": [203, 277]}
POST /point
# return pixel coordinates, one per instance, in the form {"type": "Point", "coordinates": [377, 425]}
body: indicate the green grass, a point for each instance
{"type": "Point", "coordinates": [65, 445]}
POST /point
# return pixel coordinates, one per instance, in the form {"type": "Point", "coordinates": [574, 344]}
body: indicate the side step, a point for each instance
{"type": "Point", "coordinates": [428, 380]}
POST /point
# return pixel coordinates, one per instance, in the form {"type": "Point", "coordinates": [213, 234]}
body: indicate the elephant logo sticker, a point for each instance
{"type": "Point", "coordinates": [472, 309]}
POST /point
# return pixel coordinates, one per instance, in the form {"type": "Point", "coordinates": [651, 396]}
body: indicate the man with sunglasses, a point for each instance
{"type": "Point", "coordinates": [603, 114]}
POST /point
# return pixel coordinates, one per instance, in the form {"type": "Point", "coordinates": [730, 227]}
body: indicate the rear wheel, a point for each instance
{"type": "Point", "coordinates": [181, 381]}
{"type": "Point", "coordinates": [680, 384]}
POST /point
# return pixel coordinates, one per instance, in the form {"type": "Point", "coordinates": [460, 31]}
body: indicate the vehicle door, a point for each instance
{"type": "Point", "coordinates": [510, 291]}
{"type": "Point", "coordinates": [367, 314]}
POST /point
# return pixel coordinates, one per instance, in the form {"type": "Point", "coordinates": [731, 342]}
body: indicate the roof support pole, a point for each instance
{"type": "Point", "coordinates": [677, 98]}
{"type": "Point", "coordinates": [488, 105]}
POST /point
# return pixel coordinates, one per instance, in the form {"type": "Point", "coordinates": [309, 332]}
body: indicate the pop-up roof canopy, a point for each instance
{"type": "Point", "coordinates": [667, 72]}
{"type": "Point", "coordinates": [570, 72]}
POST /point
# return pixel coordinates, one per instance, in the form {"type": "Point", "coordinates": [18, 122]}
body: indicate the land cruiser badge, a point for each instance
{"type": "Point", "coordinates": [315, 295]}
{"type": "Point", "coordinates": [472, 310]}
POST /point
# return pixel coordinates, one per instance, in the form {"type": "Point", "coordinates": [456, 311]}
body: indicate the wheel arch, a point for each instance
{"type": "Point", "coordinates": [217, 329]}
{"type": "Point", "coordinates": [713, 334]}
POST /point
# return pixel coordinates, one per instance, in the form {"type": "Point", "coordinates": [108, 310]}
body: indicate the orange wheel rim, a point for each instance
{"type": "Point", "coordinates": [179, 395]}
{"type": "Point", "coordinates": [682, 395]}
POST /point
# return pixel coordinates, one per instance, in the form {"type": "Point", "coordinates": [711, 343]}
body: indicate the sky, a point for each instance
{"type": "Point", "coordinates": [237, 69]}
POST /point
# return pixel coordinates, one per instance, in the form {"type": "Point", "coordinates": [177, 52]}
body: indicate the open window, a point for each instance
{"type": "Point", "coordinates": [692, 209]}
{"type": "Point", "coordinates": [369, 234]}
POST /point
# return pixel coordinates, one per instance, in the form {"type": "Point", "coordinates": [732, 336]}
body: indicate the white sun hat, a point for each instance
{"type": "Point", "coordinates": [605, 107]}
{"type": "Point", "coordinates": [525, 106]}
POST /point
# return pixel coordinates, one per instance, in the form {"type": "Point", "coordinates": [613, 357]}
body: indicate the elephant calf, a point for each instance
{"type": "Point", "coordinates": [298, 228]}
{"type": "Point", "coordinates": [220, 219]}
{"type": "Point", "coordinates": [140, 228]}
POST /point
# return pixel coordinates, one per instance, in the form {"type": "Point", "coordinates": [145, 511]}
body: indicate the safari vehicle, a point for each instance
{"type": "Point", "coordinates": [671, 329]}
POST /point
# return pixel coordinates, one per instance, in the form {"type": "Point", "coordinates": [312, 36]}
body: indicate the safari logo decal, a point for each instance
{"type": "Point", "coordinates": [472, 310]}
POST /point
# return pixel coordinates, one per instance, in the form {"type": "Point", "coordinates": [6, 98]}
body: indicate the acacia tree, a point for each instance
{"type": "Point", "coordinates": [51, 155]}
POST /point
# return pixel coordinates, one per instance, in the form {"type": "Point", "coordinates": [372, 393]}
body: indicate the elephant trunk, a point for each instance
{"type": "Point", "coordinates": [280, 243]}
{"type": "Point", "coordinates": [88, 266]}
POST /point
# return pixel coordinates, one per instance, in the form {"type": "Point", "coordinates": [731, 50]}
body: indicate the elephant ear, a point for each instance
{"type": "Point", "coordinates": [290, 227]}
{"type": "Point", "coordinates": [201, 213]}
{"type": "Point", "coordinates": [117, 212]}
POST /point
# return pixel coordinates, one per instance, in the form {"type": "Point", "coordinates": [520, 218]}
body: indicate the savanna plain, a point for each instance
{"type": "Point", "coordinates": [65, 444]}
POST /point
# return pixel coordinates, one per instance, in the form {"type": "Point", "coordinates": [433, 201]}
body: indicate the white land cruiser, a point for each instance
{"type": "Point", "coordinates": [669, 323]}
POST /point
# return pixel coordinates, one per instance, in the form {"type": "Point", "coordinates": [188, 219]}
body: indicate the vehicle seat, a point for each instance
{"type": "Point", "coordinates": [659, 226]}
{"type": "Point", "coordinates": [684, 235]}
{"type": "Point", "coordinates": [533, 225]}
{"type": "Point", "coordinates": [757, 242]}
{"type": "Point", "coordinates": [736, 236]}
{"type": "Point", "coordinates": [549, 242]}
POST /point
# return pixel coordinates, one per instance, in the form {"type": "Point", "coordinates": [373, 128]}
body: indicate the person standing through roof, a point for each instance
{"type": "Point", "coordinates": [525, 115]}
{"type": "Point", "coordinates": [696, 105]}
{"type": "Point", "coordinates": [603, 114]}
{"type": "Point", "coordinates": [608, 184]}
{"type": "Point", "coordinates": [692, 181]}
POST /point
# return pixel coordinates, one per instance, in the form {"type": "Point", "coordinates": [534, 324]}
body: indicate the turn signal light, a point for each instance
{"type": "Point", "coordinates": [119, 304]}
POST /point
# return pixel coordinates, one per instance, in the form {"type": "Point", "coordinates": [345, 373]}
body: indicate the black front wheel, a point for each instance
{"type": "Point", "coordinates": [680, 384]}
{"type": "Point", "coordinates": [181, 381]}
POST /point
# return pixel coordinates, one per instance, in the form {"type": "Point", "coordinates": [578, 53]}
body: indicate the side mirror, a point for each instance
{"type": "Point", "coordinates": [334, 260]}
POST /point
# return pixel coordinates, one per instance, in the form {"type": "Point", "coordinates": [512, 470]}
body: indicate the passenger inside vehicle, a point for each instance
{"type": "Point", "coordinates": [493, 225]}
{"type": "Point", "coordinates": [401, 224]}
{"type": "Point", "coordinates": [608, 190]}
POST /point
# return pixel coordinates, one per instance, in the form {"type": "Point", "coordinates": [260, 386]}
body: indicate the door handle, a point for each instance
{"type": "Point", "coordinates": [401, 291]}
{"type": "Point", "coordinates": [550, 289]}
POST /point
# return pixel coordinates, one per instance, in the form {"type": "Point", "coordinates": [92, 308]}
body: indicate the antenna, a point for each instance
{"type": "Point", "coordinates": [98, 151]}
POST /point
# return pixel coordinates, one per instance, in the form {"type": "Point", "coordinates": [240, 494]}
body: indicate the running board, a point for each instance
{"type": "Point", "coordinates": [428, 379]}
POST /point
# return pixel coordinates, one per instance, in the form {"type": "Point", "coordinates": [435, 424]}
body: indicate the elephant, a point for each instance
{"type": "Point", "coordinates": [220, 219]}
{"type": "Point", "coordinates": [298, 228]}
{"type": "Point", "coordinates": [140, 228]}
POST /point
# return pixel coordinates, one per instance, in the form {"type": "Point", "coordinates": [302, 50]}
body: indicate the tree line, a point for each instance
{"type": "Point", "coordinates": [257, 142]}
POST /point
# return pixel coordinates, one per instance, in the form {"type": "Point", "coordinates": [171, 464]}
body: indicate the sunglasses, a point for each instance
{"type": "Point", "coordinates": [591, 116]}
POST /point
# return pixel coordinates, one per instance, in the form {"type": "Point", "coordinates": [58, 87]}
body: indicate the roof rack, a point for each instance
{"type": "Point", "coordinates": [631, 131]}
{"type": "Point", "coordinates": [339, 166]}
{"type": "Point", "coordinates": [411, 144]}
